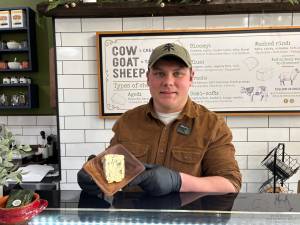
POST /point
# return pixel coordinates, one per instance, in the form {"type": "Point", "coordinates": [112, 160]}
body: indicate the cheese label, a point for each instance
{"type": "Point", "coordinates": [16, 202]}
{"type": "Point", "coordinates": [4, 19]}
{"type": "Point", "coordinates": [17, 18]}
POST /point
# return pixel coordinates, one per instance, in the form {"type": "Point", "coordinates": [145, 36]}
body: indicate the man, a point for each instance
{"type": "Point", "coordinates": [186, 147]}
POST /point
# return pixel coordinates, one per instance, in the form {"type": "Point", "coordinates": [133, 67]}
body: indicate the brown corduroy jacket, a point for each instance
{"type": "Point", "coordinates": [198, 142]}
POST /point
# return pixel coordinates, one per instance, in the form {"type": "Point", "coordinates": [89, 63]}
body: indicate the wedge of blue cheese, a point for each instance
{"type": "Point", "coordinates": [113, 167]}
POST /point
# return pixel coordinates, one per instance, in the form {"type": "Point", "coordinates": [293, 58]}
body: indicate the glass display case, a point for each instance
{"type": "Point", "coordinates": [75, 207]}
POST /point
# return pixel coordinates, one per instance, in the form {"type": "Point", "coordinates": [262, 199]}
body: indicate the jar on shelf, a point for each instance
{"type": "Point", "coordinates": [24, 44]}
{"type": "Point", "coordinates": [3, 65]}
{"type": "Point", "coordinates": [24, 64]}
{"type": "Point", "coordinates": [3, 100]}
{"type": "Point", "coordinates": [22, 98]}
{"type": "Point", "coordinates": [23, 80]}
{"type": "Point", "coordinates": [6, 80]}
{"type": "Point", "coordinates": [14, 80]}
{"type": "Point", "coordinates": [3, 45]}
{"type": "Point", "coordinates": [14, 101]}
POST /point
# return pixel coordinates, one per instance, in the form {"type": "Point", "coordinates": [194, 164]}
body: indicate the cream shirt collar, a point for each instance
{"type": "Point", "coordinates": [167, 118]}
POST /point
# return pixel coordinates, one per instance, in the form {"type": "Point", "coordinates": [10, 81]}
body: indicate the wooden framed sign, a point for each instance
{"type": "Point", "coordinates": [237, 71]}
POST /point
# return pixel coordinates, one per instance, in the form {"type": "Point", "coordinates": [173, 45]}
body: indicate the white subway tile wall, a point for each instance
{"type": "Point", "coordinates": [67, 25]}
{"type": "Point", "coordinates": [296, 19]}
{"type": "Point", "coordinates": [91, 108]}
{"type": "Point", "coordinates": [89, 53]}
{"type": "Point", "coordinates": [239, 134]}
{"type": "Point", "coordinates": [248, 121]}
{"type": "Point", "coordinates": [79, 67]}
{"type": "Point", "coordinates": [46, 120]}
{"type": "Point", "coordinates": [26, 129]}
{"type": "Point", "coordinates": [81, 95]}
{"type": "Point", "coordinates": [71, 136]}
{"type": "Point", "coordinates": [71, 109]}
{"type": "Point", "coordinates": [90, 81]}
{"type": "Point", "coordinates": [284, 121]}
{"type": "Point", "coordinates": [146, 23]}
{"type": "Point", "coordinates": [70, 81]}
{"type": "Point", "coordinates": [270, 19]}
{"type": "Point", "coordinates": [83, 133]}
{"type": "Point", "coordinates": [268, 134]}
{"type": "Point", "coordinates": [19, 120]}
{"type": "Point", "coordinates": [76, 162]}
{"type": "Point", "coordinates": [78, 39]}
{"type": "Point", "coordinates": [69, 53]}
{"type": "Point", "coordinates": [57, 39]}
{"type": "Point", "coordinates": [3, 119]}
{"type": "Point", "coordinates": [189, 22]}
{"type": "Point", "coordinates": [84, 149]}
{"type": "Point", "coordinates": [83, 122]}
{"type": "Point", "coordinates": [229, 21]}
{"type": "Point", "coordinates": [101, 24]}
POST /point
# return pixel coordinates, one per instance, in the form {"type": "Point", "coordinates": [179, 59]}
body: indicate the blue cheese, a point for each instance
{"type": "Point", "coordinates": [113, 167]}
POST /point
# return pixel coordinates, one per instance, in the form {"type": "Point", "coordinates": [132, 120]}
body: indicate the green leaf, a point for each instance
{"type": "Point", "coordinates": [5, 142]}
{"type": "Point", "coordinates": [9, 135]}
{"type": "Point", "coordinates": [3, 173]}
{"type": "Point", "coordinates": [52, 5]}
{"type": "Point", "coordinates": [9, 156]}
{"type": "Point", "coordinates": [9, 170]}
{"type": "Point", "coordinates": [25, 148]}
{"type": "Point", "coordinates": [8, 164]}
{"type": "Point", "coordinates": [294, 2]}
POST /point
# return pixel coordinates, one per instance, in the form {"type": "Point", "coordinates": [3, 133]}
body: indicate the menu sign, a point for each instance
{"type": "Point", "coordinates": [236, 71]}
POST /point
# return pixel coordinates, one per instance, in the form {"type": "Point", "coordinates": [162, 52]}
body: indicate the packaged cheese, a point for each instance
{"type": "Point", "coordinates": [5, 19]}
{"type": "Point", "coordinates": [18, 18]}
{"type": "Point", "coordinates": [113, 167]}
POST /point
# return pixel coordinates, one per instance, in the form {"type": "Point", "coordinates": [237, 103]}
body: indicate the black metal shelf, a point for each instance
{"type": "Point", "coordinates": [16, 85]}
{"type": "Point", "coordinates": [17, 70]}
{"type": "Point", "coordinates": [18, 29]}
{"type": "Point", "coordinates": [32, 96]}
{"type": "Point", "coordinates": [14, 50]}
{"type": "Point", "coordinates": [281, 167]}
{"type": "Point", "coordinates": [30, 32]}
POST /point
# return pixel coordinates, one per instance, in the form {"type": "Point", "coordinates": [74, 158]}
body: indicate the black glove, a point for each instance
{"type": "Point", "coordinates": [86, 182]}
{"type": "Point", "coordinates": [157, 180]}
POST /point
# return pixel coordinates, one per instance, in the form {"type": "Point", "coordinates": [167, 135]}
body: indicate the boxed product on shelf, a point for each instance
{"type": "Point", "coordinates": [5, 19]}
{"type": "Point", "coordinates": [3, 65]}
{"type": "Point", "coordinates": [17, 18]}
{"type": "Point", "coordinates": [18, 41]}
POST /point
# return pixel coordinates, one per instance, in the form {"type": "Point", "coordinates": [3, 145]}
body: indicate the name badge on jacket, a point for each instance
{"type": "Point", "coordinates": [183, 129]}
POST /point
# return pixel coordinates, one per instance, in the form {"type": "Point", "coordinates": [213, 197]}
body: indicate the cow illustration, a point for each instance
{"type": "Point", "coordinates": [260, 91]}
{"type": "Point", "coordinates": [288, 76]}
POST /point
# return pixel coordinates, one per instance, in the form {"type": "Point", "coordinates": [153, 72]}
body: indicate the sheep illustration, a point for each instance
{"type": "Point", "coordinates": [288, 76]}
{"type": "Point", "coordinates": [260, 91]}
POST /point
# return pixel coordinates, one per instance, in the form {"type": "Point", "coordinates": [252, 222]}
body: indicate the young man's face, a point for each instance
{"type": "Point", "coordinates": [169, 82]}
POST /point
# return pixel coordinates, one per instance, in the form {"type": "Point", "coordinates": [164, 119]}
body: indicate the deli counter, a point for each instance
{"type": "Point", "coordinates": [76, 207]}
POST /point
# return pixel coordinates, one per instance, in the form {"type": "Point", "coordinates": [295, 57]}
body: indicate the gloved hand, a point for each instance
{"type": "Point", "coordinates": [157, 180]}
{"type": "Point", "coordinates": [86, 182]}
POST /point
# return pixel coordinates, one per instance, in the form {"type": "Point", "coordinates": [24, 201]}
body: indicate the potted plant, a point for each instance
{"type": "Point", "coordinates": [8, 151]}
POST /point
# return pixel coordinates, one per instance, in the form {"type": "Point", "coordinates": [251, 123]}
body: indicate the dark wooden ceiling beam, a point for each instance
{"type": "Point", "coordinates": [134, 9]}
